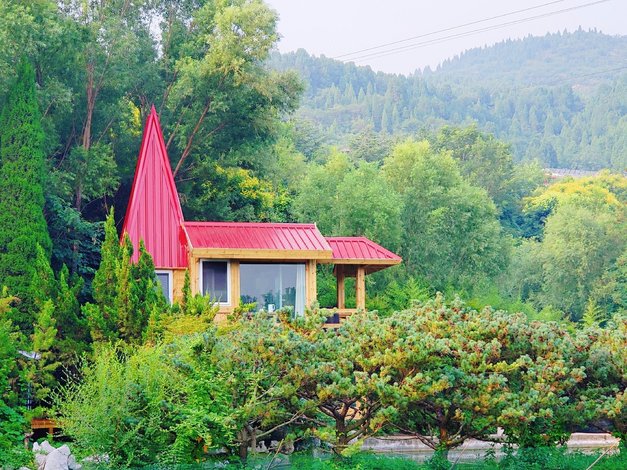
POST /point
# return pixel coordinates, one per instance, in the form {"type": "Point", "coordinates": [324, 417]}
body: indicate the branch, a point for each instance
{"type": "Point", "coordinates": [190, 140]}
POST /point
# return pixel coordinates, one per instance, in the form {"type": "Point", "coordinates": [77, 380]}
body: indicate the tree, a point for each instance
{"type": "Point", "coordinates": [40, 370]}
{"type": "Point", "coordinates": [579, 246]}
{"type": "Point", "coordinates": [259, 364]}
{"type": "Point", "coordinates": [126, 405]}
{"type": "Point", "coordinates": [12, 421]}
{"type": "Point", "coordinates": [368, 206]}
{"type": "Point", "coordinates": [22, 176]}
{"type": "Point", "coordinates": [453, 366]}
{"type": "Point", "coordinates": [125, 293]}
{"type": "Point", "coordinates": [451, 235]}
{"type": "Point", "coordinates": [346, 379]}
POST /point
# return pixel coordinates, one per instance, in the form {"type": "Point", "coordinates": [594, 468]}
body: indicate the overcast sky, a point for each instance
{"type": "Point", "coordinates": [336, 27]}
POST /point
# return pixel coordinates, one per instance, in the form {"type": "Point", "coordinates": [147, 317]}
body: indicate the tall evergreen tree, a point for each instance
{"type": "Point", "coordinates": [22, 176]}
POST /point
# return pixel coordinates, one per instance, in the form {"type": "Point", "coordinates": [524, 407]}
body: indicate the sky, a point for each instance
{"type": "Point", "coordinates": [337, 27]}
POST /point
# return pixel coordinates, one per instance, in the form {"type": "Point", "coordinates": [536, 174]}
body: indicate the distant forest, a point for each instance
{"type": "Point", "coordinates": [560, 99]}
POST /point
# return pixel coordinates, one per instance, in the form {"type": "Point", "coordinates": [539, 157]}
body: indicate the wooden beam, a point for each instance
{"type": "Point", "coordinates": [341, 292]}
{"type": "Point", "coordinates": [311, 289]}
{"type": "Point", "coordinates": [259, 255]}
{"type": "Point", "coordinates": [235, 284]}
{"type": "Point", "coordinates": [360, 288]}
{"type": "Point", "coordinates": [383, 262]}
{"type": "Point", "coordinates": [194, 274]}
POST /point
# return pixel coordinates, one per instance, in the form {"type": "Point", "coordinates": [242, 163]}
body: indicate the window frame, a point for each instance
{"type": "Point", "coordinates": [170, 280]}
{"type": "Point", "coordinates": [228, 278]}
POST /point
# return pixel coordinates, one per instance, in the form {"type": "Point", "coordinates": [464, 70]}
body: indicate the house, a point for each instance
{"type": "Point", "coordinates": [270, 265]}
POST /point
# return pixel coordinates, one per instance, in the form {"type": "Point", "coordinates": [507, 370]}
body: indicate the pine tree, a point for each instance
{"type": "Point", "coordinates": [40, 371]}
{"type": "Point", "coordinates": [105, 280]}
{"type": "Point", "coordinates": [102, 316]}
{"type": "Point", "coordinates": [126, 293]}
{"type": "Point", "coordinates": [22, 175]}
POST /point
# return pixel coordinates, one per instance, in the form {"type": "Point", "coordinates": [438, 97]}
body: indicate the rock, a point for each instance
{"type": "Point", "coordinates": [72, 464]}
{"type": "Point", "coordinates": [40, 460]}
{"type": "Point", "coordinates": [56, 461]}
{"type": "Point", "coordinates": [36, 447]}
{"type": "Point", "coordinates": [46, 448]}
{"type": "Point", "coordinates": [24, 468]}
{"type": "Point", "coordinates": [65, 450]}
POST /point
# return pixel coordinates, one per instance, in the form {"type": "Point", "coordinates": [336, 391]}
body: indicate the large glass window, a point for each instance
{"type": "Point", "coordinates": [215, 280]}
{"type": "Point", "coordinates": [273, 286]}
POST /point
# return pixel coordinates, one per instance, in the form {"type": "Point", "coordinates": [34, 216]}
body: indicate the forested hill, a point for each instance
{"type": "Point", "coordinates": [580, 59]}
{"type": "Point", "coordinates": [560, 98]}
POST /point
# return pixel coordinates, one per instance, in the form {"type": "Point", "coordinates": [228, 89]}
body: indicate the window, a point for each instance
{"type": "Point", "coordinates": [165, 279]}
{"type": "Point", "coordinates": [273, 286]}
{"type": "Point", "coordinates": [215, 280]}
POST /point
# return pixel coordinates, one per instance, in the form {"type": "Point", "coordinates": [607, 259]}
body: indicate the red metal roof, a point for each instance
{"type": "Point", "coordinates": [256, 236]}
{"type": "Point", "coordinates": [360, 250]}
{"type": "Point", "coordinates": [154, 212]}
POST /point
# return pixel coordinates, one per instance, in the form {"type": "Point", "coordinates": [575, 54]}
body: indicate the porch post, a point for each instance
{"type": "Point", "coordinates": [341, 294]}
{"type": "Point", "coordinates": [360, 288]}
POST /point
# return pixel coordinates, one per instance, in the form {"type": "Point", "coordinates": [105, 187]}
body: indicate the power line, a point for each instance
{"type": "Point", "coordinates": [376, 55]}
{"type": "Point", "coordinates": [447, 29]}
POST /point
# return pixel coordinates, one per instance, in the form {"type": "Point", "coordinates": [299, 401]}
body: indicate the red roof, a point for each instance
{"type": "Point", "coordinates": [351, 250]}
{"type": "Point", "coordinates": [256, 236]}
{"type": "Point", "coordinates": [154, 212]}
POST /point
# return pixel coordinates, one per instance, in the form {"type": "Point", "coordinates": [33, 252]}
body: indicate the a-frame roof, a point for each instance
{"type": "Point", "coordinates": [154, 211]}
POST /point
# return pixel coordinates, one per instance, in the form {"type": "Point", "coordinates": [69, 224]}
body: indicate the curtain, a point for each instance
{"type": "Point", "coordinates": [299, 304]}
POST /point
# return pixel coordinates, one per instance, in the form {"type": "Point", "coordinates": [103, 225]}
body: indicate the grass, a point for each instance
{"type": "Point", "coordinates": [529, 459]}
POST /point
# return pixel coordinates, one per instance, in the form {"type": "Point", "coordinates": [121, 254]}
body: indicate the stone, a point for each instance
{"type": "Point", "coordinates": [56, 461]}
{"type": "Point", "coordinates": [24, 468]}
{"type": "Point", "coordinates": [40, 460]}
{"type": "Point", "coordinates": [46, 448]}
{"type": "Point", "coordinates": [65, 450]}
{"type": "Point", "coordinates": [36, 447]}
{"type": "Point", "coordinates": [72, 464]}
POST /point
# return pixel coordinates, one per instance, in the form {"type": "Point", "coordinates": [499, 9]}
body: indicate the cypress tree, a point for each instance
{"type": "Point", "coordinates": [22, 175]}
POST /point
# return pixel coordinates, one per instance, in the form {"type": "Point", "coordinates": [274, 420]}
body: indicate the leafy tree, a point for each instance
{"type": "Point", "coordinates": [22, 176]}
{"type": "Point", "coordinates": [579, 245]}
{"type": "Point", "coordinates": [368, 206]}
{"type": "Point", "coordinates": [317, 198]}
{"type": "Point", "coordinates": [125, 406]}
{"type": "Point", "coordinates": [451, 235]}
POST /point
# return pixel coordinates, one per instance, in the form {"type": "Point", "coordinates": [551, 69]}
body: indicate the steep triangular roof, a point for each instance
{"type": "Point", "coordinates": [154, 211]}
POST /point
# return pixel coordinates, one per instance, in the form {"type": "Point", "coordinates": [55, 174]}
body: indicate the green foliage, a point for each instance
{"type": "Point", "coordinates": [12, 423]}
{"type": "Point", "coordinates": [40, 372]}
{"type": "Point", "coordinates": [22, 176]}
{"type": "Point", "coordinates": [451, 234]}
{"type": "Point", "coordinates": [124, 405]}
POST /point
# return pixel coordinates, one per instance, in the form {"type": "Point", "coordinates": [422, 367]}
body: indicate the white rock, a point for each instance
{"type": "Point", "coordinates": [56, 461]}
{"type": "Point", "coordinates": [24, 468]}
{"type": "Point", "coordinates": [65, 450]}
{"type": "Point", "coordinates": [36, 447]}
{"type": "Point", "coordinates": [73, 464]}
{"type": "Point", "coordinates": [46, 448]}
{"type": "Point", "coordinates": [40, 460]}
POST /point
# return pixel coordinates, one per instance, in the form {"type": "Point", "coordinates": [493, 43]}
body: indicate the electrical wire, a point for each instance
{"type": "Point", "coordinates": [452, 28]}
{"type": "Point", "coordinates": [376, 55]}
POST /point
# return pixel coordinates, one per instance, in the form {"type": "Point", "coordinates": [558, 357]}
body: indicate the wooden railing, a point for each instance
{"type": "Point", "coordinates": [42, 423]}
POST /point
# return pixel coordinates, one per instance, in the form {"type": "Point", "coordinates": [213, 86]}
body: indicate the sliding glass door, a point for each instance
{"type": "Point", "coordinates": [273, 286]}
